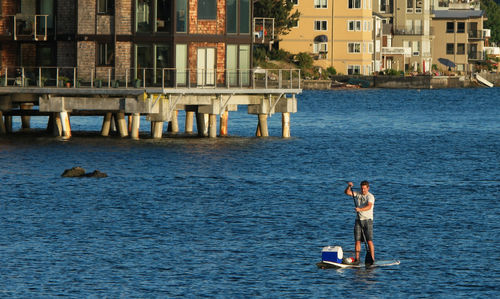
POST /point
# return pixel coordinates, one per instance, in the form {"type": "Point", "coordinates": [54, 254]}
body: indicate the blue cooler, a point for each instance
{"type": "Point", "coordinates": [332, 254]}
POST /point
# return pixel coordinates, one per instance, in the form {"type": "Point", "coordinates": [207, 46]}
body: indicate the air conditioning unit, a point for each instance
{"type": "Point", "coordinates": [416, 53]}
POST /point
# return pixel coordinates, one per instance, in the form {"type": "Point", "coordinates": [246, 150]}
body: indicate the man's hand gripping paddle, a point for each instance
{"type": "Point", "coordinates": [368, 257]}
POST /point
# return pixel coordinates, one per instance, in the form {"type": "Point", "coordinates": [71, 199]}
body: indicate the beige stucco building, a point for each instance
{"type": "Point", "coordinates": [461, 38]}
{"type": "Point", "coordinates": [336, 33]}
{"type": "Point", "coordinates": [410, 48]}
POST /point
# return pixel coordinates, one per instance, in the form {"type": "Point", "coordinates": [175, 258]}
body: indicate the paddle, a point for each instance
{"type": "Point", "coordinates": [368, 257]}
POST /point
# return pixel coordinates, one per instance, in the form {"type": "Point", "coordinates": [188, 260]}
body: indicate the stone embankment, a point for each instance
{"type": "Point", "coordinates": [401, 82]}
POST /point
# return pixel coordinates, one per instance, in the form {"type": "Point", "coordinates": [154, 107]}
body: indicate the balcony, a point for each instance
{"type": "Point", "coordinates": [141, 78]}
{"type": "Point", "coordinates": [396, 51]}
{"type": "Point", "coordinates": [476, 55]}
{"type": "Point", "coordinates": [25, 27]}
{"type": "Point", "coordinates": [413, 31]}
{"type": "Point", "coordinates": [476, 34]}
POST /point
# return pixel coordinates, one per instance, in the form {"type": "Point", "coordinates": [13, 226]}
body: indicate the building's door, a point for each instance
{"type": "Point", "coordinates": [206, 66]}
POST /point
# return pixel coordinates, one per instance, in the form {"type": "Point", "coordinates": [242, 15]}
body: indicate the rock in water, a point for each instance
{"type": "Point", "coordinates": [73, 172]}
{"type": "Point", "coordinates": [96, 174]}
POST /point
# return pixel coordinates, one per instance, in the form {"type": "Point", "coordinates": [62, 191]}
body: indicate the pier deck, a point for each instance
{"type": "Point", "coordinates": [158, 104]}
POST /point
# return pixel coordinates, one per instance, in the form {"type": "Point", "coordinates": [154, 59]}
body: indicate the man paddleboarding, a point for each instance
{"type": "Point", "coordinates": [363, 226]}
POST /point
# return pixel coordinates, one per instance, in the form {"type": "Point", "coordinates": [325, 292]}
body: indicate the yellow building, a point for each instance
{"type": "Point", "coordinates": [336, 33]}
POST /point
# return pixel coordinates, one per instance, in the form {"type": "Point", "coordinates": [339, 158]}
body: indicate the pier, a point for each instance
{"type": "Point", "coordinates": [121, 103]}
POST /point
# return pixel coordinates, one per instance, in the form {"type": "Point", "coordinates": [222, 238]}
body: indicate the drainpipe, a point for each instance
{"type": "Point", "coordinates": [331, 37]}
{"type": "Point", "coordinates": [115, 21]}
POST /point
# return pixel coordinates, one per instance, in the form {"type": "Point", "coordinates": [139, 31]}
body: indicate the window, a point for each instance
{"type": "Point", "coordinates": [460, 27]}
{"type": "Point", "coordinates": [105, 6]}
{"type": "Point", "coordinates": [238, 64]}
{"type": "Point", "coordinates": [321, 49]}
{"type": "Point", "coordinates": [181, 16]}
{"type": "Point", "coordinates": [450, 27]}
{"type": "Point", "coordinates": [354, 3]}
{"type": "Point", "coordinates": [353, 69]}
{"type": "Point", "coordinates": [181, 63]}
{"type": "Point", "coordinates": [382, 5]}
{"type": "Point", "coordinates": [142, 15]}
{"type": "Point", "coordinates": [320, 25]}
{"type": "Point", "coordinates": [295, 2]}
{"type": "Point", "coordinates": [163, 9]}
{"type": "Point", "coordinates": [320, 3]}
{"type": "Point", "coordinates": [207, 9]}
{"type": "Point", "coordinates": [409, 5]}
{"type": "Point", "coordinates": [461, 49]}
{"type": "Point", "coordinates": [419, 6]}
{"type": "Point", "coordinates": [450, 49]}
{"type": "Point", "coordinates": [354, 26]}
{"type": "Point", "coordinates": [106, 54]}
{"type": "Point", "coordinates": [245, 16]}
{"type": "Point", "coordinates": [295, 24]}
{"type": "Point", "coordinates": [233, 18]}
{"type": "Point", "coordinates": [354, 47]}
{"type": "Point", "coordinates": [367, 26]}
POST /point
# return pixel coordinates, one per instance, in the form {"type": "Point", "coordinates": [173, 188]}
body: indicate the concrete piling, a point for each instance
{"type": "Point", "coordinates": [65, 125]}
{"type": "Point", "coordinates": [56, 125]}
{"type": "Point", "coordinates": [212, 125]}
{"type": "Point", "coordinates": [262, 130]}
{"type": "Point", "coordinates": [136, 120]}
{"type": "Point", "coordinates": [8, 123]}
{"type": "Point", "coordinates": [157, 129]}
{"type": "Point", "coordinates": [202, 124]}
{"type": "Point", "coordinates": [26, 119]}
{"type": "Point", "coordinates": [122, 125]}
{"type": "Point", "coordinates": [223, 123]}
{"type": "Point", "coordinates": [285, 122]}
{"type": "Point", "coordinates": [106, 124]}
{"type": "Point", "coordinates": [3, 131]}
{"type": "Point", "coordinates": [188, 126]}
{"type": "Point", "coordinates": [173, 124]}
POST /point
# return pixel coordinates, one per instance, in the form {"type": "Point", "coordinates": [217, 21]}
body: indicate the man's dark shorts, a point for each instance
{"type": "Point", "coordinates": [367, 229]}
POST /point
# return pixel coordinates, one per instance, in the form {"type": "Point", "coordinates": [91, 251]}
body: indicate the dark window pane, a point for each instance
{"type": "Point", "coordinates": [143, 15]}
{"type": "Point", "coordinates": [163, 8]}
{"type": "Point", "coordinates": [450, 27]}
{"type": "Point", "coordinates": [207, 9]}
{"type": "Point", "coordinates": [450, 49]}
{"type": "Point", "coordinates": [231, 15]}
{"type": "Point", "coordinates": [181, 16]}
{"type": "Point", "coordinates": [106, 55]}
{"type": "Point", "coordinates": [244, 16]}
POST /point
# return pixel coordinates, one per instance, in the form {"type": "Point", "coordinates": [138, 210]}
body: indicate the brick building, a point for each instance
{"type": "Point", "coordinates": [156, 41]}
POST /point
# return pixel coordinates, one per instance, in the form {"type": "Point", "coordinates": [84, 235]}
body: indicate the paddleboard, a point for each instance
{"type": "Point", "coordinates": [328, 264]}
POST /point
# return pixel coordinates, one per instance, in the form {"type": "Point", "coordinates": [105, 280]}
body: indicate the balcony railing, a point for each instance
{"type": "Point", "coordinates": [107, 77]}
{"type": "Point", "coordinates": [25, 26]}
{"type": "Point", "coordinates": [476, 55]}
{"type": "Point", "coordinates": [476, 34]}
{"type": "Point", "coordinates": [396, 51]}
{"type": "Point", "coordinates": [413, 31]}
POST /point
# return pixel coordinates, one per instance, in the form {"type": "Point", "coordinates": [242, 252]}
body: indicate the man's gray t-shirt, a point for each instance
{"type": "Point", "coordinates": [361, 202]}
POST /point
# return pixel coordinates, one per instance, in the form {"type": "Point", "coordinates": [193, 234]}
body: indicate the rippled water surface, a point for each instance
{"type": "Point", "coordinates": [246, 217]}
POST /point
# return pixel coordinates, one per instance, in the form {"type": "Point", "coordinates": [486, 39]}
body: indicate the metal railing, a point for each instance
{"type": "Point", "coordinates": [22, 26]}
{"type": "Point", "coordinates": [419, 30]}
{"type": "Point", "coordinates": [108, 77]}
{"type": "Point", "coordinates": [476, 34]}
{"type": "Point", "coordinates": [475, 55]}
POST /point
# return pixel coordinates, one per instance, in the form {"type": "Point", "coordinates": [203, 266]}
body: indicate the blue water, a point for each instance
{"type": "Point", "coordinates": [243, 217]}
